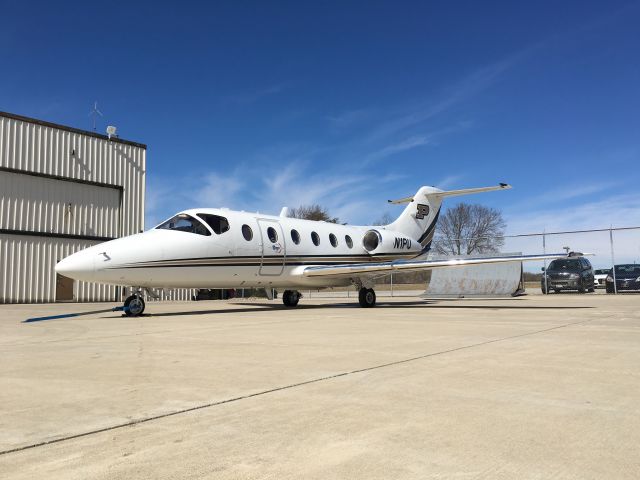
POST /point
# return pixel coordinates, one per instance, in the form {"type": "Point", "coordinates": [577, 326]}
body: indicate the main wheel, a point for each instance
{"type": "Point", "coordinates": [367, 297]}
{"type": "Point", "coordinates": [134, 306]}
{"type": "Point", "coordinates": [290, 298]}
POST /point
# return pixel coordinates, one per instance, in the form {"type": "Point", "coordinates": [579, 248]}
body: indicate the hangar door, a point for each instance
{"type": "Point", "coordinates": [57, 207]}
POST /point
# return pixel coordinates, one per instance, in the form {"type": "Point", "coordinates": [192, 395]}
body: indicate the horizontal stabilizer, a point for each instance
{"type": "Point", "coordinates": [468, 191]}
{"type": "Point", "coordinates": [435, 192]}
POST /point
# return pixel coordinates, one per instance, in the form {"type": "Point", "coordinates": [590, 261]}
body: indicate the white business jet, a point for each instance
{"type": "Point", "coordinates": [221, 248]}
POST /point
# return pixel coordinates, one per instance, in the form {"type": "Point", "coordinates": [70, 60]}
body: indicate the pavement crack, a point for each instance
{"type": "Point", "coordinates": [284, 387]}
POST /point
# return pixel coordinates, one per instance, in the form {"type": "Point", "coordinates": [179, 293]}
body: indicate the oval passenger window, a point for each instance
{"type": "Point", "coordinates": [315, 238]}
{"type": "Point", "coordinates": [271, 233]}
{"type": "Point", "coordinates": [247, 233]}
{"type": "Point", "coordinates": [333, 240]}
{"type": "Point", "coordinates": [348, 241]}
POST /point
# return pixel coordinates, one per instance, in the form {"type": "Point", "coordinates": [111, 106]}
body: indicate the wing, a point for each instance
{"type": "Point", "coordinates": [356, 269]}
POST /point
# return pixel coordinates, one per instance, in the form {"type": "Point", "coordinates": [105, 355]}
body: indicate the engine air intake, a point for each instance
{"type": "Point", "coordinates": [371, 240]}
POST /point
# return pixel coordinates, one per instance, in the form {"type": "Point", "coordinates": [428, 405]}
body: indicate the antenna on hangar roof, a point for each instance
{"type": "Point", "coordinates": [94, 113]}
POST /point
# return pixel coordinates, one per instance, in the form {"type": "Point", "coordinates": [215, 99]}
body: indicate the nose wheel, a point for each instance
{"type": "Point", "coordinates": [290, 298]}
{"type": "Point", "coordinates": [134, 306]}
{"type": "Point", "coordinates": [367, 297]}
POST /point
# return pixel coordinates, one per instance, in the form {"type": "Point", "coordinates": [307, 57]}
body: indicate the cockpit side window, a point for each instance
{"type": "Point", "coordinates": [217, 223]}
{"type": "Point", "coordinates": [184, 223]}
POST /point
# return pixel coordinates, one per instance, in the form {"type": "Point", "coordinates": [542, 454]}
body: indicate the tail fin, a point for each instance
{"type": "Point", "coordinates": [419, 218]}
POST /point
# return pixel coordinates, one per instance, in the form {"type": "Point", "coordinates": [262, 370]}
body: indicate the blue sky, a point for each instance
{"type": "Point", "coordinates": [257, 105]}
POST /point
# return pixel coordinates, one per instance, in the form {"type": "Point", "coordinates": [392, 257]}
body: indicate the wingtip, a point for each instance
{"type": "Point", "coordinates": [505, 185]}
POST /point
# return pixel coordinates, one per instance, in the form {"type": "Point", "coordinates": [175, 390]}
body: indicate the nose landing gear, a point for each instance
{"type": "Point", "coordinates": [134, 305]}
{"type": "Point", "coordinates": [290, 298]}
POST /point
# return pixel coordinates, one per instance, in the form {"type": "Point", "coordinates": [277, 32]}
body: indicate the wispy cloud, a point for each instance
{"type": "Point", "coordinates": [426, 109]}
{"type": "Point", "coordinates": [612, 210]}
{"type": "Point", "coordinates": [219, 190]}
{"type": "Point", "coordinates": [618, 210]}
{"type": "Point", "coordinates": [415, 141]}
{"type": "Point", "coordinates": [568, 192]}
{"type": "Point", "coordinates": [296, 173]}
{"type": "Point", "coordinates": [564, 194]}
{"type": "Point", "coordinates": [448, 181]}
{"type": "Point", "coordinates": [422, 121]}
{"type": "Point", "coordinates": [345, 193]}
{"type": "Point", "coordinates": [350, 118]}
{"type": "Point", "coordinates": [253, 96]}
{"type": "Point", "coordinates": [401, 146]}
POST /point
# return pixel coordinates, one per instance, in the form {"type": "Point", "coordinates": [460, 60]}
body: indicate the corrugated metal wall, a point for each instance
{"type": "Point", "coordinates": [44, 149]}
{"type": "Point", "coordinates": [40, 204]}
{"type": "Point", "coordinates": [168, 295]}
{"type": "Point", "coordinates": [54, 206]}
{"type": "Point", "coordinates": [105, 199]}
{"type": "Point", "coordinates": [27, 275]}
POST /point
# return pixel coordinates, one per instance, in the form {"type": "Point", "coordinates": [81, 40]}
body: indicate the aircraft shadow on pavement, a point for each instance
{"type": "Point", "coordinates": [262, 307]}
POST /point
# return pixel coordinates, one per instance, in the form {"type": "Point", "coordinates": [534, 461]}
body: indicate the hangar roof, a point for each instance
{"type": "Point", "coordinates": [71, 129]}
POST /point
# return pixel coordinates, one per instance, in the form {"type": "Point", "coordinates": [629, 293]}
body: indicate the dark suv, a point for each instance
{"type": "Point", "coordinates": [568, 274]}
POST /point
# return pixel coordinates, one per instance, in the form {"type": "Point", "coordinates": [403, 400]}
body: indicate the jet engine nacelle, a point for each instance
{"type": "Point", "coordinates": [389, 242]}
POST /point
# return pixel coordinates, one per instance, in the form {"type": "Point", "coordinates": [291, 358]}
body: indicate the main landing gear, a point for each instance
{"type": "Point", "coordinates": [290, 298]}
{"type": "Point", "coordinates": [134, 305]}
{"type": "Point", "coordinates": [367, 297]}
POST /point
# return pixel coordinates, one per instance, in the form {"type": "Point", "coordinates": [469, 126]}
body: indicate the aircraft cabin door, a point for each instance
{"type": "Point", "coordinates": [273, 247]}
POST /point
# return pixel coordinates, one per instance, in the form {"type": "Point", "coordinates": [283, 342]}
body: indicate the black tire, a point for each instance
{"type": "Point", "coordinates": [134, 306]}
{"type": "Point", "coordinates": [367, 297]}
{"type": "Point", "coordinates": [544, 290]}
{"type": "Point", "coordinates": [581, 288]}
{"type": "Point", "coordinates": [290, 298]}
{"type": "Point", "coordinates": [610, 290]}
{"type": "Point", "coordinates": [556, 290]}
{"type": "Point", "coordinates": [591, 290]}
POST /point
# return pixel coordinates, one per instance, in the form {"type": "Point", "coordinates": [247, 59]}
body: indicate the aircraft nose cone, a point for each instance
{"type": "Point", "coordinates": [79, 266]}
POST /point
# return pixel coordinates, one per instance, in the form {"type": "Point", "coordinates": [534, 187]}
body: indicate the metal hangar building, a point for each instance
{"type": "Point", "coordinates": [62, 190]}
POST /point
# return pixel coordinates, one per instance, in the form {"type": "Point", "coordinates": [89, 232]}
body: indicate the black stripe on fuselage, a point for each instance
{"type": "Point", "coordinates": [271, 260]}
{"type": "Point", "coordinates": [341, 256]}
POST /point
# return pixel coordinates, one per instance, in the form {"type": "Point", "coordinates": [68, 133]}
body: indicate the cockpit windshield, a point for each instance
{"type": "Point", "coordinates": [217, 223]}
{"type": "Point", "coordinates": [184, 223]}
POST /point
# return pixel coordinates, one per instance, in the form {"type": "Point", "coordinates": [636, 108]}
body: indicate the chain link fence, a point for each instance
{"type": "Point", "coordinates": [608, 246]}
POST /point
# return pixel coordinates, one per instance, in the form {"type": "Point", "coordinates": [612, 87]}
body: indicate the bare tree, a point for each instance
{"type": "Point", "coordinates": [385, 219]}
{"type": "Point", "coordinates": [467, 229]}
{"type": "Point", "coordinates": [312, 212]}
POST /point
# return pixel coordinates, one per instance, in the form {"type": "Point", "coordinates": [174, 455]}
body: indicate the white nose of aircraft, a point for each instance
{"type": "Point", "coordinates": [80, 266]}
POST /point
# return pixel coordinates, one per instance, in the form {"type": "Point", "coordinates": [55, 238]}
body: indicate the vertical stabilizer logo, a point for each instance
{"type": "Point", "coordinates": [423, 211]}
